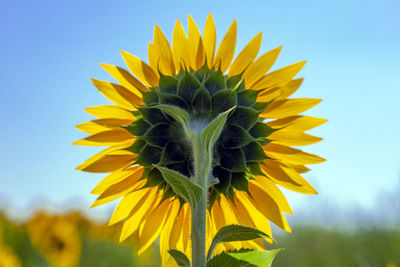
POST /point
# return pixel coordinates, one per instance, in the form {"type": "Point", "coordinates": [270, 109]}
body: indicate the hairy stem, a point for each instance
{"type": "Point", "coordinates": [202, 168]}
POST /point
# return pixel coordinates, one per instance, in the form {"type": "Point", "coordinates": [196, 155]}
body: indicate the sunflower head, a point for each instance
{"type": "Point", "coordinates": [252, 155]}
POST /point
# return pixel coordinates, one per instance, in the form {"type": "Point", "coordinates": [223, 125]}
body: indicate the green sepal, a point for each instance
{"type": "Point", "coordinates": [240, 181]}
{"type": "Point", "coordinates": [178, 114]}
{"type": "Point", "coordinates": [182, 185]}
{"type": "Point", "coordinates": [212, 197]}
{"type": "Point", "coordinates": [173, 153]}
{"type": "Point", "coordinates": [137, 146]}
{"type": "Point", "coordinates": [153, 115]}
{"type": "Point", "coordinates": [215, 82]}
{"type": "Point", "coordinates": [261, 129]}
{"type": "Point", "coordinates": [232, 159]}
{"type": "Point", "coordinates": [243, 116]}
{"type": "Point", "coordinates": [223, 100]}
{"type": "Point", "coordinates": [254, 152]}
{"type": "Point", "coordinates": [247, 97]}
{"type": "Point", "coordinates": [213, 130]}
{"type": "Point", "coordinates": [232, 233]}
{"type": "Point", "coordinates": [254, 168]}
{"type": "Point", "coordinates": [260, 106]}
{"type": "Point", "coordinates": [168, 84]}
{"type": "Point", "coordinates": [201, 103]}
{"type": "Point", "coordinates": [173, 100]}
{"type": "Point", "coordinates": [234, 136]}
{"type": "Point", "coordinates": [168, 192]}
{"type": "Point", "coordinates": [224, 178]}
{"type": "Point", "coordinates": [201, 73]}
{"type": "Point", "coordinates": [180, 258]}
{"type": "Point", "coordinates": [187, 86]}
{"type": "Point", "coordinates": [138, 128]}
{"type": "Point", "coordinates": [244, 258]}
{"type": "Point", "coordinates": [154, 178]}
{"type": "Point", "coordinates": [212, 180]}
{"type": "Point", "coordinates": [149, 155]}
{"type": "Point", "coordinates": [150, 97]}
{"type": "Point", "coordinates": [235, 82]}
{"type": "Point", "coordinates": [158, 135]}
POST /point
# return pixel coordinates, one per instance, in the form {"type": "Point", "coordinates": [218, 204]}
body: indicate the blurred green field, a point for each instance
{"type": "Point", "coordinates": [72, 240]}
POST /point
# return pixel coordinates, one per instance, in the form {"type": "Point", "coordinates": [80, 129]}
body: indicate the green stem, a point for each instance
{"type": "Point", "coordinates": [202, 168]}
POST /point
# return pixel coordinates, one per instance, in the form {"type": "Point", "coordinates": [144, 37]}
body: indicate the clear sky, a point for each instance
{"type": "Point", "coordinates": [50, 49]}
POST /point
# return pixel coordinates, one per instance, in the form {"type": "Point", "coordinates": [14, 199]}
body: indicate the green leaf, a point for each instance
{"type": "Point", "coordinates": [230, 233]}
{"type": "Point", "coordinates": [180, 258]}
{"type": "Point", "coordinates": [178, 114]}
{"type": "Point", "coordinates": [201, 102]}
{"type": "Point", "coordinates": [256, 257]}
{"type": "Point", "coordinates": [182, 185]}
{"type": "Point", "coordinates": [241, 258]}
{"type": "Point", "coordinates": [234, 136]}
{"type": "Point", "coordinates": [187, 86]}
{"type": "Point", "coordinates": [212, 132]}
{"type": "Point", "coordinates": [223, 100]}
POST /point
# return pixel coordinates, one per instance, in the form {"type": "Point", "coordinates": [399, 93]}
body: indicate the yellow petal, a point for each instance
{"type": "Point", "coordinates": [125, 79]}
{"type": "Point", "coordinates": [196, 48]}
{"type": "Point", "coordinates": [125, 206]}
{"type": "Point", "coordinates": [108, 197]}
{"type": "Point", "coordinates": [226, 49]}
{"type": "Point", "coordinates": [286, 176]}
{"type": "Point", "coordinates": [290, 88]}
{"type": "Point", "coordinates": [179, 47]}
{"type": "Point", "coordinates": [279, 77]}
{"type": "Point", "coordinates": [105, 152]}
{"type": "Point", "coordinates": [288, 107]}
{"type": "Point", "coordinates": [176, 229]}
{"type": "Point", "coordinates": [106, 138]}
{"type": "Point", "coordinates": [110, 162]}
{"type": "Point", "coordinates": [298, 168]}
{"type": "Point", "coordinates": [151, 228]}
{"type": "Point", "coordinates": [110, 111]}
{"type": "Point", "coordinates": [273, 191]}
{"type": "Point", "coordinates": [291, 138]}
{"type": "Point", "coordinates": [165, 236]}
{"type": "Point", "coordinates": [297, 123]}
{"type": "Point", "coordinates": [268, 95]}
{"type": "Point", "coordinates": [113, 122]}
{"type": "Point", "coordinates": [267, 206]}
{"type": "Point", "coordinates": [258, 68]}
{"type": "Point", "coordinates": [116, 177]}
{"type": "Point", "coordinates": [92, 127]}
{"type": "Point", "coordinates": [118, 94]}
{"type": "Point", "coordinates": [291, 155]}
{"type": "Point", "coordinates": [209, 39]}
{"type": "Point", "coordinates": [163, 51]}
{"type": "Point", "coordinates": [139, 212]}
{"type": "Point", "coordinates": [245, 57]}
{"type": "Point", "coordinates": [141, 70]}
{"type": "Point", "coordinates": [260, 221]}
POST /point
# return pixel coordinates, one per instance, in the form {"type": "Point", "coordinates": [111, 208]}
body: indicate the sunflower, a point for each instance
{"type": "Point", "coordinates": [57, 238]}
{"type": "Point", "coordinates": [251, 157]}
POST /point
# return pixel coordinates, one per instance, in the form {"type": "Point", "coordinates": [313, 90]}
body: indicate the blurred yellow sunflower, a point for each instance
{"type": "Point", "coordinates": [251, 157]}
{"type": "Point", "coordinates": [8, 258]}
{"type": "Point", "coordinates": [57, 238]}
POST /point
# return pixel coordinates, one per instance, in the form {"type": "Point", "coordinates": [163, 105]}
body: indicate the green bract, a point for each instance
{"type": "Point", "coordinates": [203, 94]}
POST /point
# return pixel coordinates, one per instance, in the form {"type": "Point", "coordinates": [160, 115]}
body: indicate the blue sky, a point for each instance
{"type": "Point", "coordinates": [50, 49]}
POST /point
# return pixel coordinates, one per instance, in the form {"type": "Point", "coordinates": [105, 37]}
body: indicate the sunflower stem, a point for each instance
{"type": "Point", "coordinates": [202, 167]}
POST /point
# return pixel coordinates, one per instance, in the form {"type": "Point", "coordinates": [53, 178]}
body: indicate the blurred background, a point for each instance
{"type": "Point", "coordinates": [50, 49]}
